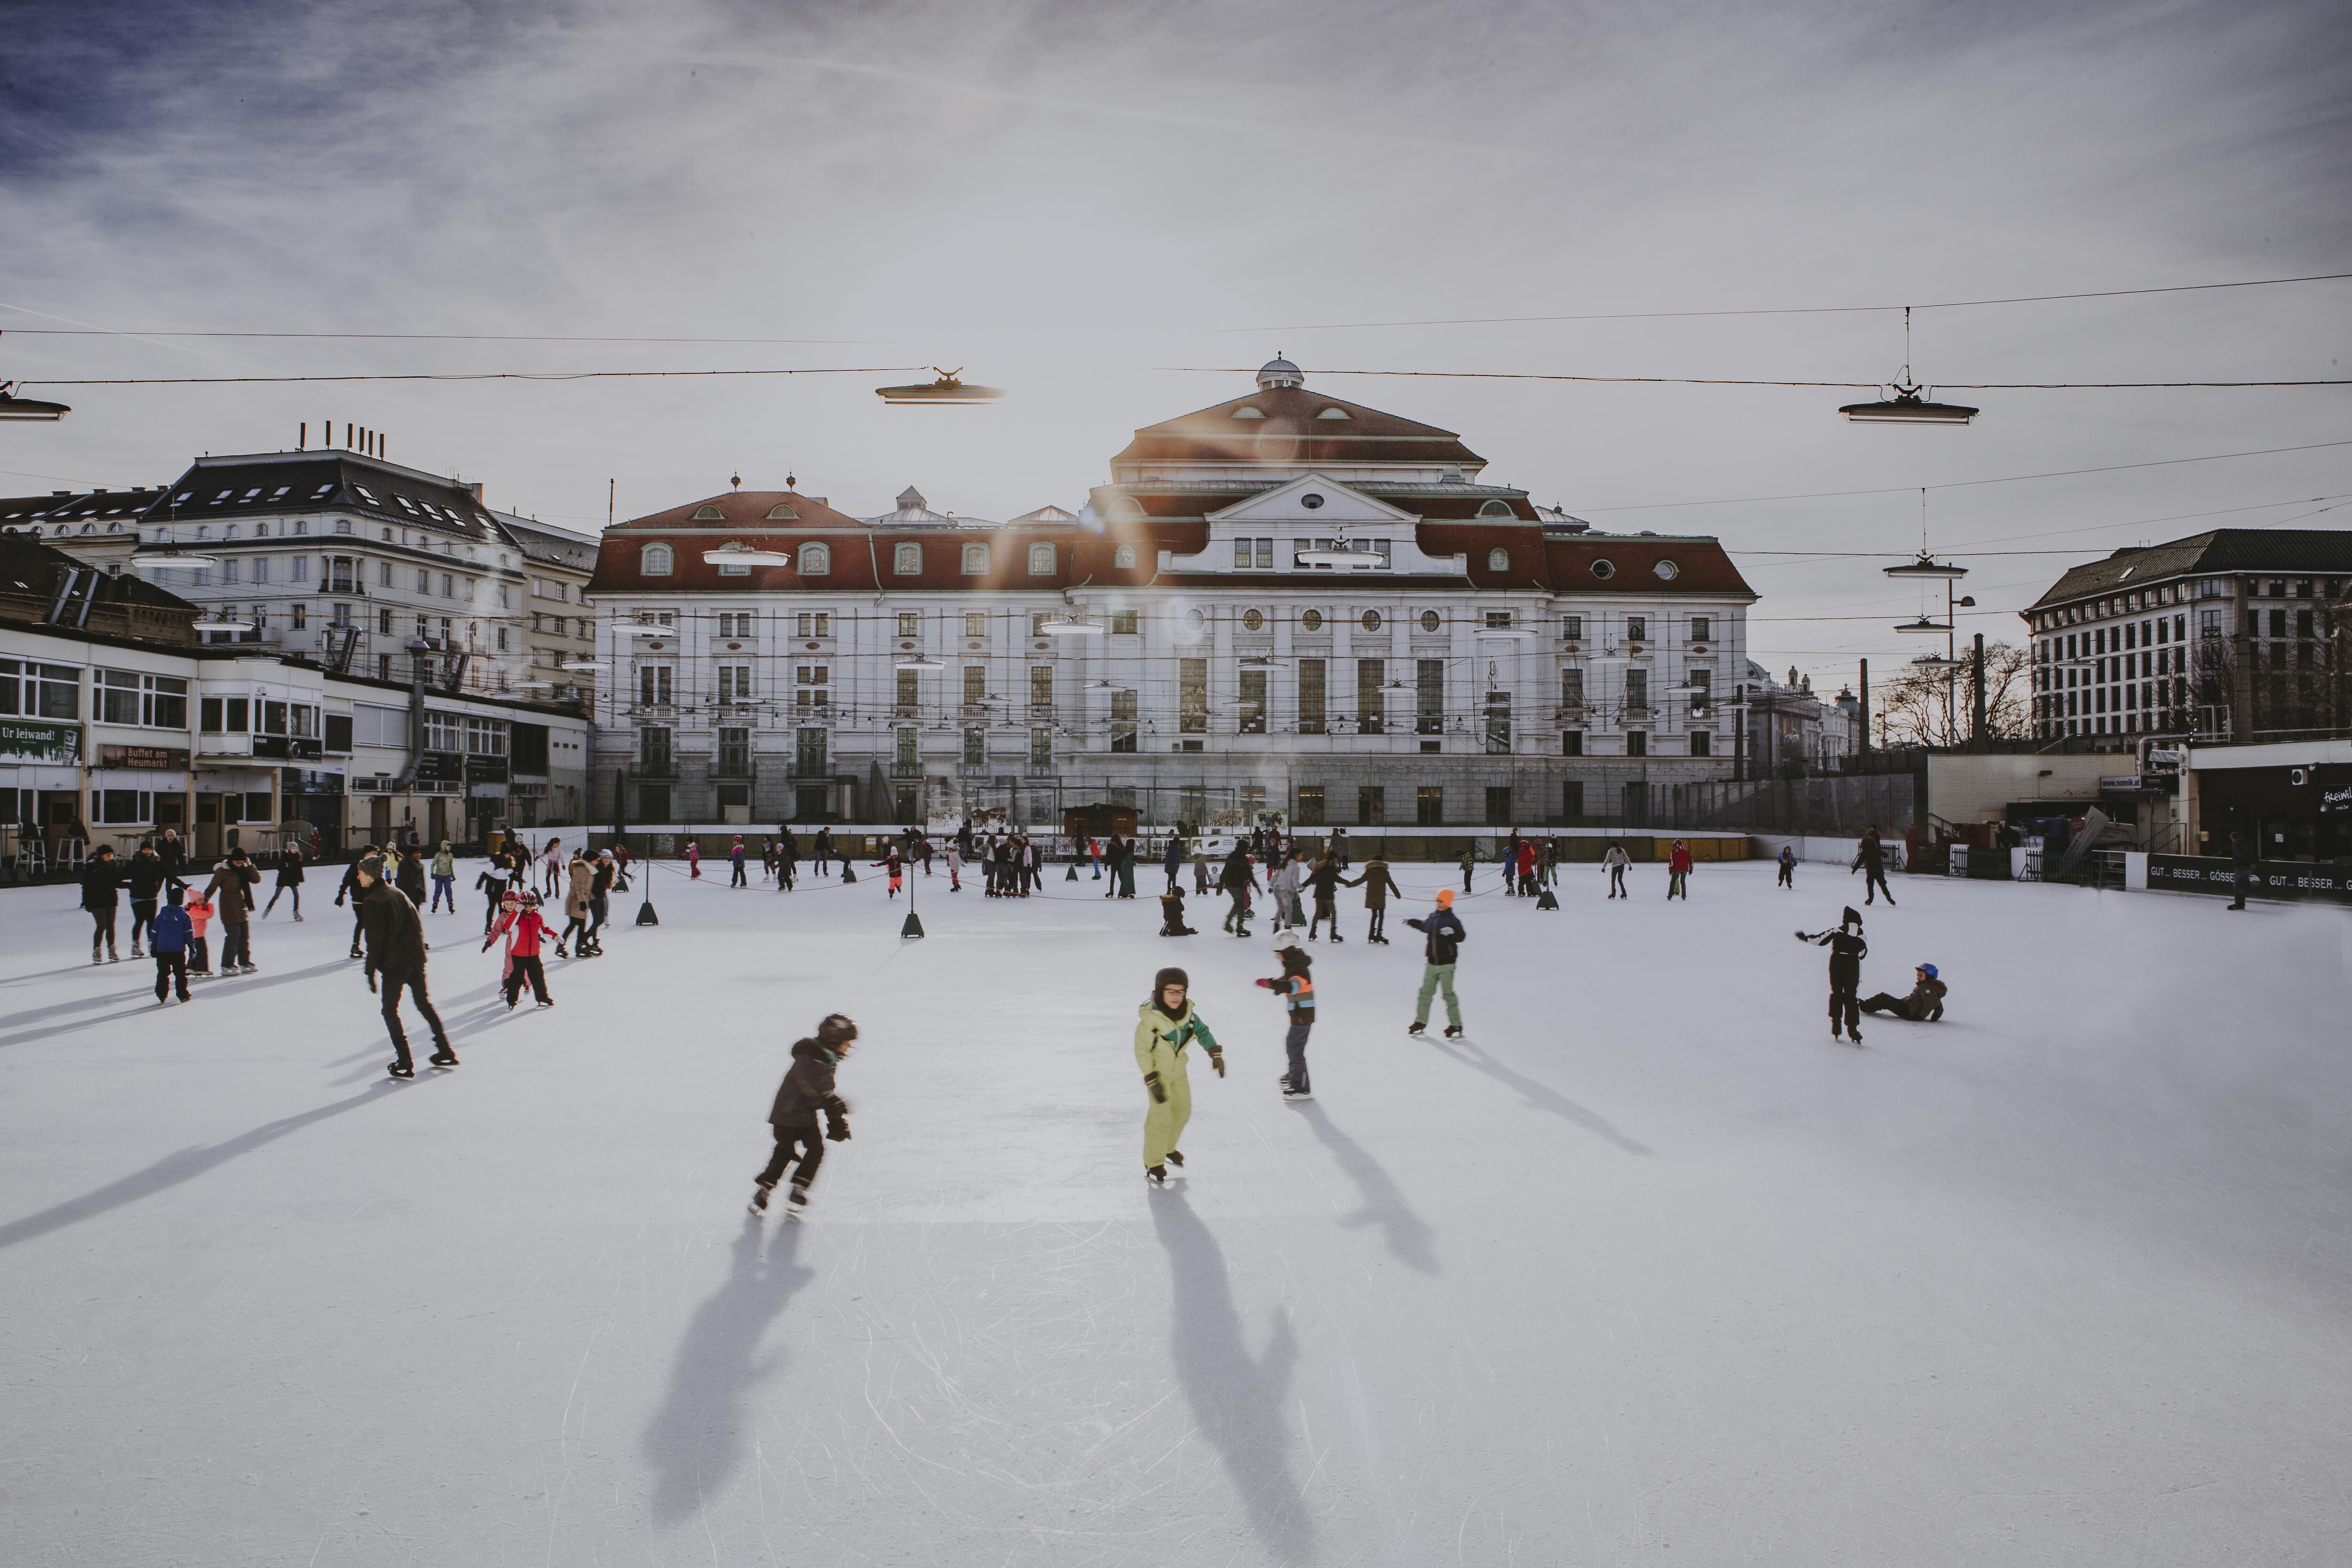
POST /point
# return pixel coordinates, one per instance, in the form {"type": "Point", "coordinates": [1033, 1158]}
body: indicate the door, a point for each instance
{"type": "Point", "coordinates": [437, 818]}
{"type": "Point", "coordinates": [208, 825]}
{"type": "Point", "coordinates": [812, 803]}
{"type": "Point", "coordinates": [379, 819]}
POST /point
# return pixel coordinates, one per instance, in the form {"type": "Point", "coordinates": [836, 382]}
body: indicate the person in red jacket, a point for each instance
{"type": "Point", "coordinates": [1678, 871]}
{"type": "Point", "coordinates": [524, 928]}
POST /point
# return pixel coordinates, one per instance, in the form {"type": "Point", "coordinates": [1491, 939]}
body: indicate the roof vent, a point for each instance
{"type": "Point", "coordinates": [1247, 411]}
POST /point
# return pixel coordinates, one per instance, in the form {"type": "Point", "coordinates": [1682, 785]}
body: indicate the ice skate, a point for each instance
{"type": "Point", "coordinates": [799, 1197]}
{"type": "Point", "coordinates": [399, 1070]}
{"type": "Point", "coordinates": [1452, 1031]}
{"type": "Point", "coordinates": [1176, 1158]}
{"type": "Point", "coordinates": [443, 1059]}
{"type": "Point", "coordinates": [135, 953]}
{"type": "Point", "coordinates": [1156, 1174]}
{"type": "Point", "coordinates": [759, 1191]}
{"type": "Point", "coordinates": [1415, 1028]}
{"type": "Point", "coordinates": [1294, 1096]}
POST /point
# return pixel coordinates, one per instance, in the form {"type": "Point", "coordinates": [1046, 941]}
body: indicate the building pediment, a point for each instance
{"type": "Point", "coordinates": [1311, 500]}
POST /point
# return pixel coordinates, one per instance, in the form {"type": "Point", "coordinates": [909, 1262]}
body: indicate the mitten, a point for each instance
{"type": "Point", "coordinates": [1267, 984]}
{"type": "Point", "coordinates": [1159, 1090]}
{"type": "Point", "coordinates": [1217, 1061]}
{"type": "Point", "coordinates": [837, 1133]}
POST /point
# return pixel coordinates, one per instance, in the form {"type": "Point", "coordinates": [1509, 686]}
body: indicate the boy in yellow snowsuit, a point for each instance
{"type": "Point", "coordinates": [1165, 1027]}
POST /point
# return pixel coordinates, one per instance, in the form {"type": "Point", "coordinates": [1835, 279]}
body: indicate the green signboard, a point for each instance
{"type": "Point", "coordinates": [42, 742]}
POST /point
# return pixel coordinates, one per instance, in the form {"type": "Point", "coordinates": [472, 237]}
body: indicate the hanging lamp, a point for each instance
{"type": "Point", "coordinates": [1908, 403]}
{"type": "Point", "coordinates": [947, 389]}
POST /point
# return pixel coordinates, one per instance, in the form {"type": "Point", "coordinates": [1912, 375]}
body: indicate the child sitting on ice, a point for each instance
{"type": "Point", "coordinates": [1171, 913]}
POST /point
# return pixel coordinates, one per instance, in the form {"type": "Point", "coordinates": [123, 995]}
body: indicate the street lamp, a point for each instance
{"type": "Point", "coordinates": [745, 555]}
{"type": "Point", "coordinates": [12, 406]}
{"type": "Point", "coordinates": [947, 390]}
{"type": "Point", "coordinates": [1904, 406]}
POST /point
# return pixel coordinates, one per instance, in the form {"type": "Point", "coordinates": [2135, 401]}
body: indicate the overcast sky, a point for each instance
{"type": "Point", "coordinates": [1072, 200]}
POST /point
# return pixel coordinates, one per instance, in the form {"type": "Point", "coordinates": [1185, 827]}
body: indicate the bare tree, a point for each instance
{"type": "Point", "coordinates": [1932, 706]}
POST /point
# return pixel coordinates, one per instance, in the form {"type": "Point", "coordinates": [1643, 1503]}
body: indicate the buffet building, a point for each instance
{"type": "Point", "coordinates": [1287, 603]}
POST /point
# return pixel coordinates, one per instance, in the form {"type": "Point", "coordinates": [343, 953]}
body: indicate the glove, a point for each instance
{"type": "Point", "coordinates": [1267, 985]}
{"type": "Point", "coordinates": [486, 947]}
{"type": "Point", "coordinates": [1217, 1061]}
{"type": "Point", "coordinates": [837, 1133]}
{"type": "Point", "coordinates": [1159, 1090]}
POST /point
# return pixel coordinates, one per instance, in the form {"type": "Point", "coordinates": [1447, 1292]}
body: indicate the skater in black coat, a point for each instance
{"type": "Point", "coordinates": [807, 1091]}
{"type": "Point", "coordinates": [396, 951]}
{"type": "Point", "coordinates": [143, 879]}
{"type": "Point", "coordinates": [1847, 949]}
{"type": "Point", "coordinates": [1870, 861]}
{"type": "Point", "coordinates": [101, 881]}
{"type": "Point", "coordinates": [352, 889]}
{"type": "Point", "coordinates": [1240, 881]}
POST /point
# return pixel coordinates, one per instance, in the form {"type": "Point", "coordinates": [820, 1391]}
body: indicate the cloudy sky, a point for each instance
{"type": "Point", "coordinates": [1078, 201]}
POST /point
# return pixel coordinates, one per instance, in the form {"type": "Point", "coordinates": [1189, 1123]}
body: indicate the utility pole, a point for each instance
{"type": "Point", "coordinates": [1977, 698]}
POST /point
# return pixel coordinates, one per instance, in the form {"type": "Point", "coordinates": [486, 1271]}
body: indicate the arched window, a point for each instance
{"type": "Point", "coordinates": [1123, 558]}
{"type": "Point", "coordinates": [907, 560]}
{"type": "Point", "coordinates": [708, 515]}
{"type": "Point", "coordinates": [655, 561]}
{"type": "Point", "coordinates": [1498, 560]}
{"type": "Point", "coordinates": [1041, 560]}
{"type": "Point", "coordinates": [260, 530]}
{"type": "Point", "coordinates": [975, 560]}
{"type": "Point", "coordinates": [816, 560]}
{"type": "Point", "coordinates": [1497, 509]}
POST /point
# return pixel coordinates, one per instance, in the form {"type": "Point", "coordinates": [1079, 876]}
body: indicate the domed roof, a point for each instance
{"type": "Point", "coordinates": [1279, 372]}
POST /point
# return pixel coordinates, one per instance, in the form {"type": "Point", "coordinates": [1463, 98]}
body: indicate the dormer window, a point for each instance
{"type": "Point", "coordinates": [1333, 414]}
{"type": "Point", "coordinates": [975, 560]}
{"type": "Point", "coordinates": [781, 512]}
{"type": "Point", "coordinates": [1497, 509]}
{"type": "Point", "coordinates": [1123, 558]}
{"type": "Point", "coordinates": [1041, 560]}
{"type": "Point", "coordinates": [655, 561]}
{"type": "Point", "coordinates": [1247, 411]}
{"type": "Point", "coordinates": [907, 560]}
{"type": "Point", "coordinates": [816, 560]}
{"type": "Point", "coordinates": [708, 515]}
{"type": "Point", "coordinates": [1498, 560]}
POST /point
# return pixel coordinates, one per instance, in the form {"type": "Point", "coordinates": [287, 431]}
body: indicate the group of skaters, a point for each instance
{"type": "Point", "coordinates": [174, 915]}
{"type": "Point", "coordinates": [1923, 1004]}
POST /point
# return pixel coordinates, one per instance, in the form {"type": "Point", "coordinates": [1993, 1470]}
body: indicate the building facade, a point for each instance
{"type": "Point", "coordinates": [2230, 634]}
{"type": "Point", "coordinates": [1285, 602]}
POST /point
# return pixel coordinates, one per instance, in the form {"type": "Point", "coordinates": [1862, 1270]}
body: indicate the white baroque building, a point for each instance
{"type": "Point", "coordinates": [1285, 602]}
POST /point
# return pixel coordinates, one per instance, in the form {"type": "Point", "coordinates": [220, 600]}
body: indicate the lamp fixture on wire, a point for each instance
{"type": "Point", "coordinates": [1905, 404]}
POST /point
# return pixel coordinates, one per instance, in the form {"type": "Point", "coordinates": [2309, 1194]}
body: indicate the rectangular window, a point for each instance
{"type": "Point", "coordinates": [735, 752]}
{"type": "Point", "coordinates": [911, 624]}
{"type": "Point", "coordinates": [1041, 560]}
{"type": "Point", "coordinates": [1041, 686]}
{"type": "Point", "coordinates": [808, 753]}
{"type": "Point", "coordinates": [975, 560]}
{"type": "Point", "coordinates": [1637, 629]}
{"type": "Point", "coordinates": [975, 624]}
{"type": "Point", "coordinates": [1573, 628]}
{"type": "Point", "coordinates": [734, 683]}
{"type": "Point", "coordinates": [1372, 806]}
{"type": "Point", "coordinates": [164, 700]}
{"type": "Point", "coordinates": [1192, 696]}
{"type": "Point", "coordinates": [1242, 553]}
{"type": "Point", "coordinates": [907, 560]}
{"type": "Point", "coordinates": [1499, 724]}
{"type": "Point", "coordinates": [736, 627]}
{"type": "Point", "coordinates": [910, 689]}
{"type": "Point", "coordinates": [1429, 805]}
{"type": "Point", "coordinates": [1253, 710]}
{"type": "Point", "coordinates": [975, 748]}
{"type": "Point", "coordinates": [907, 756]}
{"type": "Point", "coordinates": [656, 685]}
{"type": "Point", "coordinates": [1572, 799]}
{"type": "Point", "coordinates": [1499, 620]}
{"type": "Point", "coordinates": [261, 569]}
{"type": "Point", "coordinates": [1571, 688]}
{"type": "Point", "coordinates": [117, 694]}
{"type": "Point", "coordinates": [340, 576]}
{"type": "Point", "coordinates": [1041, 745]}
{"type": "Point", "coordinates": [1122, 623]}
{"type": "Point", "coordinates": [1637, 691]}
{"type": "Point", "coordinates": [1702, 742]}
{"type": "Point", "coordinates": [1429, 697]}
{"type": "Point", "coordinates": [816, 624]}
{"type": "Point", "coordinates": [1310, 696]}
{"type": "Point", "coordinates": [1122, 721]}
{"type": "Point", "coordinates": [975, 685]}
{"type": "Point", "coordinates": [1498, 806]}
{"type": "Point", "coordinates": [447, 591]}
{"type": "Point", "coordinates": [1370, 701]}
{"type": "Point", "coordinates": [1637, 743]}
{"type": "Point", "coordinates": [1308, 811]}
{"type": "Point", "coordinates": [486, 738]}
{"type": "Point", "coordinates": [383, 573]}
{"type": "Point", "coordinates": [1571, 742]}
{"type": "Point", "coordinates": [1265, 562]}
{"type": "Point", "coordinates": [1700, 627]}
{"type": "Point", "coordinates": [653, 747]}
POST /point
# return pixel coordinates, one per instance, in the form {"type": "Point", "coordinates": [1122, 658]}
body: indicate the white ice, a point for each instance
{"type": "Point", "coordinates": [1646, 1271]}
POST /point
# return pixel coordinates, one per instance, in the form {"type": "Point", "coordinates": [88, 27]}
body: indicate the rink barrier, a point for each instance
{"type": "Point", "coordinates": [667, 841]}
{"type": "Point", "coordinates": [2289, 881]}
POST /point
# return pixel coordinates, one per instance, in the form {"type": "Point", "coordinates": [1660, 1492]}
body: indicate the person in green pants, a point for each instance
{"type": "Point", "coordinates": [1165, 1027]}
{"type": "Point", "coordinates": [1446, 934]}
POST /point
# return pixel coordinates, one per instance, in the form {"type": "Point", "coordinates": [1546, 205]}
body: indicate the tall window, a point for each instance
{"type": "Point", "coordinates": [1702, 742]}
{"type": "Point", "coordinates": [656, 685]}
{"type": "Point", "coordinates": [1572, 799]}
{"type": "Point", "coordinates": [1253, 711]}
{"type": "Point", "coordinates": [812, 686]}
{"type": "Point", "coordinates": [1307, 810]}
{"type": "Point", "coordinates": [1429, 805]}
{"type": "Point", "coordinates": [906, 759]}
{"type": "Point", "coordinates": [1041, 748]}
{"type": "Point", "coordinates": [910, 689]}
{"type": "Point", "coordinates": [1637, 629]}
{"type": "Point", "coordinates": [975, 560]}
{"type": "Point", "coordinates": [1122, 721]}
{"type": "Point", "coordinates": [1041, 560]}
{"type": "Point", "coordinates": [1573, 628]}
{"type": "Point", "coordinates": [1571, 688]}
{"type": "Point", "coordinates": [1499, 724]}
{"type": "Point", "coordinates": [653, 746]}
{"type": "Point", "coordinates": [815, 624]}
{"type": "Point", "coordinates": [1371, 804]}
{"type": "Point", "coordinates": [1637, 743]}
{"type": "Point", "coordinates": [1370, 704]}
{"type": "Point", "coordinates": [975, 624]}
{"type": "Point", "coordinates": [975, 685]}
{"type": "Point", "coordinates": [808, 753]}
{"type": "Point", "coordinates": [735, 752]}
{"type": "Point", "coordinates": [1041, 686]}
{"type": "Point", "coordinates": [1192, 696]}
{"type": "Point", "coordinates": [734, 683]}
{"type": "Point", "coordinates": [734, 626]}
{"type": "Point", "coordinates": [1637, 690]}
{"type": "Point", "coordinates": [1571, 745]}
{"type": "Point", "coordinates": [1700, 627]}
{"type": "Point", "coordinates": [1429, 697]}
{"type": "Point", "coordinates": [907, 560]}
{"type": "Point", "coordinates": [816, 560]}
{"type": "Point", "coordinates": [652, 561]}
{"type": "Point", "coordinates": [975, 748]}
{"type": "Point", "coordinates": [1310, 696]}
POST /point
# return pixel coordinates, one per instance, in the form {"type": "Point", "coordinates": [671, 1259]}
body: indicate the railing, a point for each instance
{"type": "Point", "coordinates": [901, 769]}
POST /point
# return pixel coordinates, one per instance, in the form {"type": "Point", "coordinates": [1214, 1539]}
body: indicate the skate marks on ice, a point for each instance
{"type": "Point", "coordinates": [145, 995]}
{"type": "Point", "coordinates": [184, 1166]}
{"type": "Point", "coordinates": [1542, 1097]}
{"type": "Point", "coordinates": [1410, 1240]}
{"type": "Point", "coordinates": [1236, 1401]}
{"type": "Point", "coordinates": [698, 1435]}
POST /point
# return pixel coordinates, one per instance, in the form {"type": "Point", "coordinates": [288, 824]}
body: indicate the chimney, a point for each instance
{"type": "Point", "coordinates": [475, 489]}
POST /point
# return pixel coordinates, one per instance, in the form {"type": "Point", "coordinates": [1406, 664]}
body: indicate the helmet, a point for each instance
{"type": "Point", "coordinates": [1928, 970]}
{"type": "Point", "coordinates": [529, 900]}
{"type": "Point", "coordinates": [1285, 939]}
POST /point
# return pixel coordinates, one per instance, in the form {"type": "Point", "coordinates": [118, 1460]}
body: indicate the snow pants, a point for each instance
{"type": "Point", "coordinates": [795, 1140]}
{"type": "Point", "coordinates": [1163, 1120]}
{"type": "Point", "coordinates": [1900, 1007]}
{"type": "Point", "coordinates": [1437, 977]}
{"type": "Point", "coordinates": [520, 969]}
{"type": "Point", "coordinates": [1295, 1044]}
{"type": "Point", "coordinates": [1845, 1012]}
{"type": "Point", "coordinates": [1874, 882]}
{"type": "Point", "coordinates": [171, 967]}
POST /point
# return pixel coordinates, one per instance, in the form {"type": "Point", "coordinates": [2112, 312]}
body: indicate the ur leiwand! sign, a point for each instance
{"type": "Point", "coordinates": [46, 742]}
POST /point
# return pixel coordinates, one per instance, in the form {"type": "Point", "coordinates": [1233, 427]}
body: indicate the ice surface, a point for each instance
{"type": "Point", "coordinates": [1647, 1272]}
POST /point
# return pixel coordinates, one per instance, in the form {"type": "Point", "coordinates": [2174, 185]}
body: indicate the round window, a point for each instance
{"type": "Point", "coordinates": [1311, 500]}
{"type": "Point", "coordinates": [1430, 621]}
{"type": "Point", "coordinates": [1312, 620]}
{"type": "Point", "coordinates": [1195, 620]}
{"type": "Point", "coordinates": [1252, 620]}
{"type": "Point", "coordinates": [1604, 570]}
{"type": "Point", "coordinates": [1667, 570]}
{"type": "Point", "coordinates": [1371, 620]}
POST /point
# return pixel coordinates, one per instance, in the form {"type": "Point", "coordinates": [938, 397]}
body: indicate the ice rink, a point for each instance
{"type": "Point", "coordinates": [1646, 1271]}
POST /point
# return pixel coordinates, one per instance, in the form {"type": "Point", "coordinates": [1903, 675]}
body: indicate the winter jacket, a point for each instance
{"type": "Point", "coordinates": [1616, 857]}
{"type": "Point", "coordinates": [289, 869]}
{"type": "Point", "coordinates": [523, 929]}
{"type": "Point", "coordinates": [1377, 884]}
{"type": "Point", "coordinates": [1847, 949]}
{"type": "Point", "coordinates": [100, 880]}
{"type": "Point", "coordinates": [1297, 993]}
{"type": "Point", "coordinates": [1159, 1040]}
{"type": "Point", "coordinates": [1872, 854]}
{"type": "Point", "coordinates": [1283, 880]}
{"type": "Point", "coordinates": [350, 887]}
{"type": "Point", "coordinates": [395, 937]}
{"type": "Point", "coordinates": [173, 852]}
{"type": "Point", "coordinates": [807, 1089]}
{"type": "Point", "coordinates": [1238, 876]}
{"type": "Point", "coordinates": [607, 873]}
{"type": "Point", "coordinates": [1174, 859]}
{"type": "Point", "coordinates": [580, 889]}
{"type": "Point", "coordinates": [199, 911]}
{"type": "Point", "coordinates": [2241, 850]}
{"type": "Point", "coordinates": [1680, 861]}
{"type": "Point", "coordinates": [410, 878]}
{"type": "Point", "coordinates": [1925, 1001]}
{"type": "Point", "coordinates": [144, 878]}
{"type": "Point", "coordinates": [170, 930]}
{"type": "Point", "coordinates": [1445, 933]}
{"type": "Point", "coordinates": [1325, 879]}
{"type": "Point", "coordinates": [444, 864]}
{"type": "Point", "coordinates": [233, 882]}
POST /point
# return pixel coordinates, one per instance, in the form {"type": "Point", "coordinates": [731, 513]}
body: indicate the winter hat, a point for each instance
{"type": "Point", "coordinates": [373, 865]}
{"type": "Point", "coordinates": [1283, 939]}
{"type": "Point", "coordinates": [1444, 898]}
{"type": "Point", "coordinates": [835, 1031]}
{"type": "Point", "coordinates": [1853, 918]}
{"type": "Point", "coordinates": [1928, 970]}
{"type": "Point", "coordinates": [1166, 977]}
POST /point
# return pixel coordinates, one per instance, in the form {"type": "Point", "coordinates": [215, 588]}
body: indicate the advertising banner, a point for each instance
{"type": "Point", "coordinates": [2292, 879]}
{"type": "Point", "coordinates": [43, 742]}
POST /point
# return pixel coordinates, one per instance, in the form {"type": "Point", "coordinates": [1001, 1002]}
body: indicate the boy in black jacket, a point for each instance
{"type": "Point", "coordinates": [1847, 949]}
{"type": "Point", "coordinates": [807, 1089]}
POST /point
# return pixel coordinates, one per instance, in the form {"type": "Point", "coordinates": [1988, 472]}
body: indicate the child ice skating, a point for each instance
{"type": "Point", "coordinates": [1787, 876]}
{"type": "Point", "coordinates": [1616, 861]}
{"type": "Point", "coordinates": [1165, 1027]}
{"type": "Point", "coordinates": [806, 1092]}
{"type": "Point", "coordinates": [1847, 949]}
{"type": "Point", "coordinates": [1444, 934]}
{"type": "Point", "coordinates": [524, 928]}
{"type": "Point", "coordinates": [1171, 913]}
{"type": "Point", "coordinates": [1296, 986]}
{"type": "Point", "coordinates": [168, 935]}
{"type": "Point", "coordinates": [1924, 1006]}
